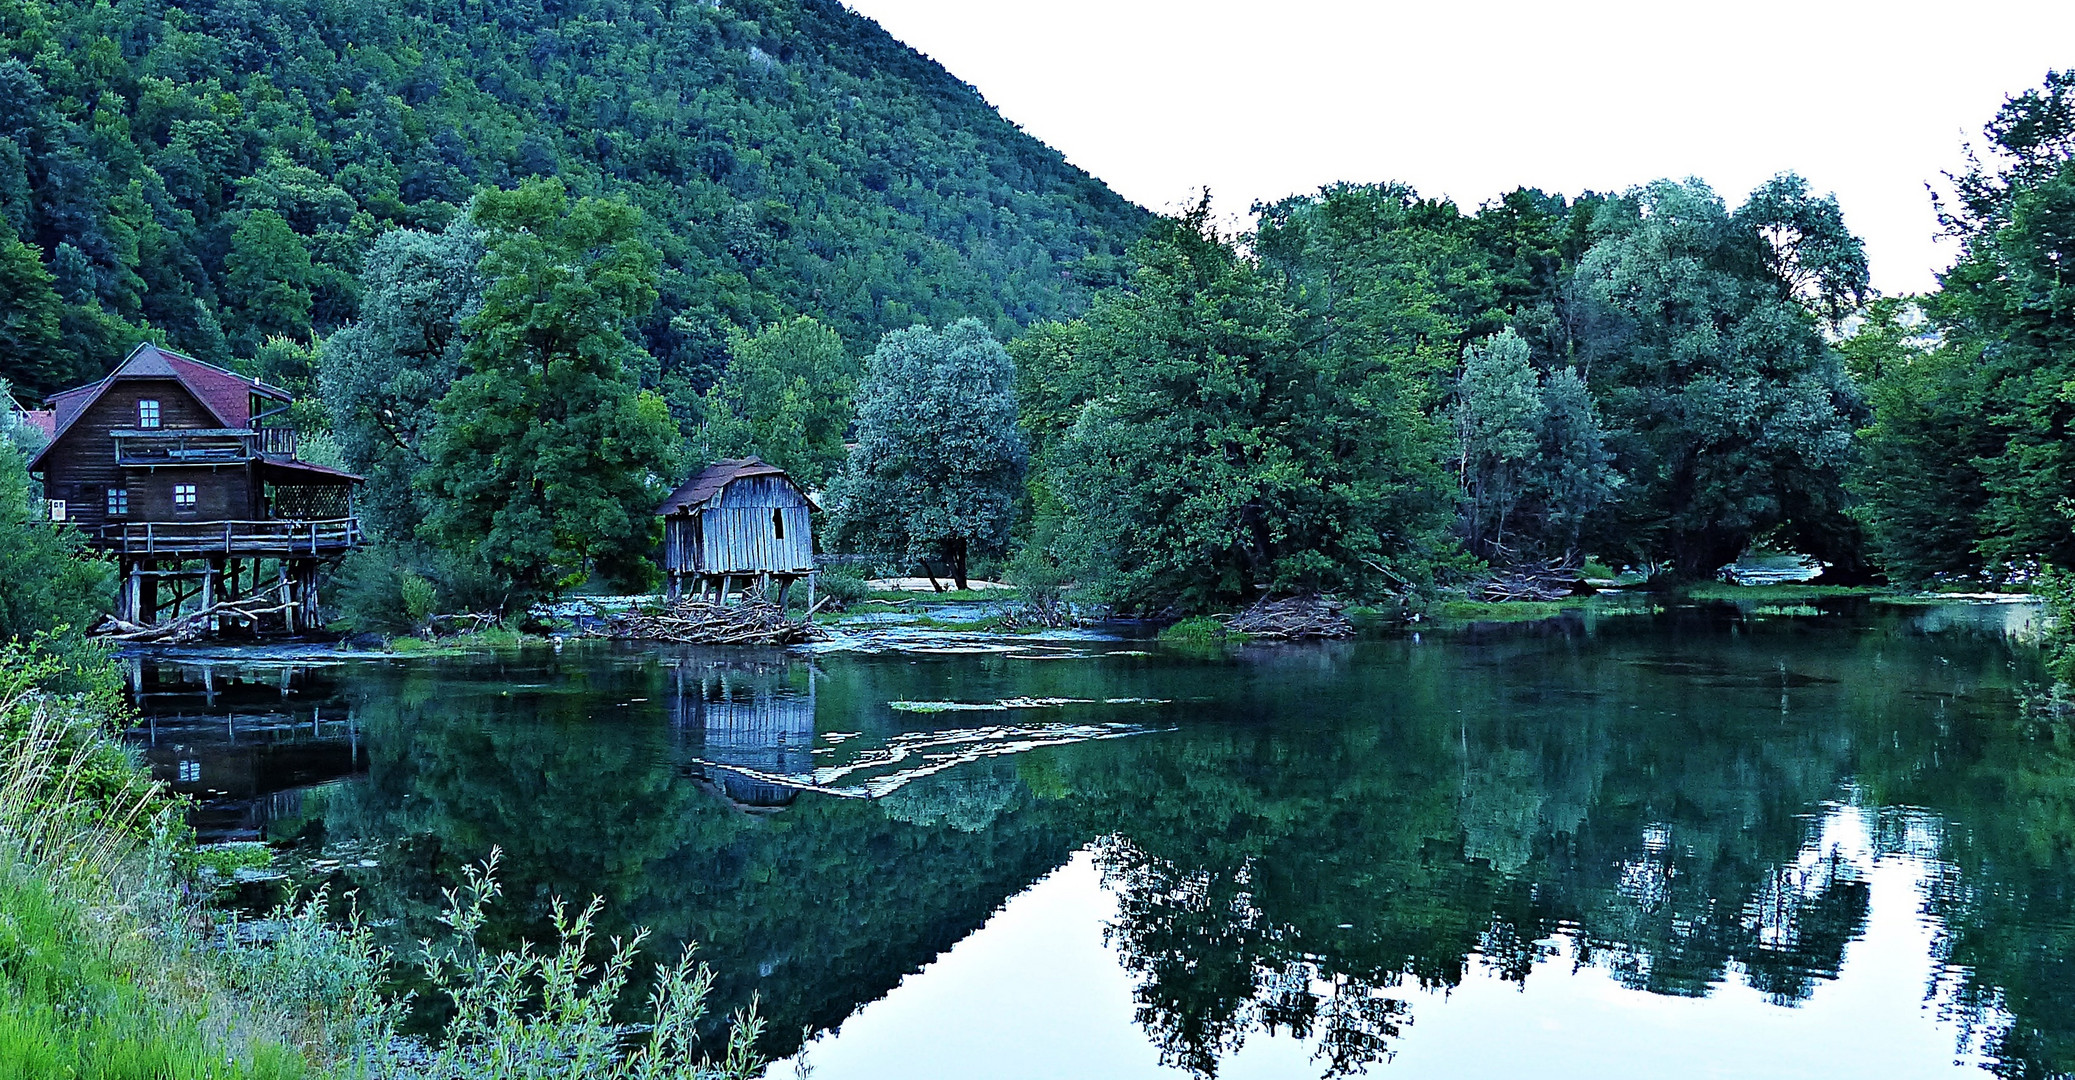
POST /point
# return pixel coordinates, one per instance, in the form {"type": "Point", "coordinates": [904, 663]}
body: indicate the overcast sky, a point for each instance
{"type": "Point", "coordinates": [1468, 100]}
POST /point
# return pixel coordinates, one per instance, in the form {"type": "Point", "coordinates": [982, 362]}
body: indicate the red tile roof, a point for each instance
{"type": "Point", "coordinates": [226, 394]}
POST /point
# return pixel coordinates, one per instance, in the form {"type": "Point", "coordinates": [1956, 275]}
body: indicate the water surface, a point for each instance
{"type": "Point", "coordinates": [1701, 841]}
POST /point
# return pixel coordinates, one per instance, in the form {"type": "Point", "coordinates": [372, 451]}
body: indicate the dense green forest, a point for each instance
{"type": "Point", "coordinates": [213, 173]}
{"type": "Point", "coordinates": [633, 238]}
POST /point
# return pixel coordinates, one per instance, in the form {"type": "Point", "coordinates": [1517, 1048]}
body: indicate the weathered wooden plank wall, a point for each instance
{"type": "Point", "coordinates": [757, 525]}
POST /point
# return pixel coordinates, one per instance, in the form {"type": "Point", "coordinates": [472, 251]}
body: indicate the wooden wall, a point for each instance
{"type": "Point", "coordinates": [81, 467]}
{"type": "Point", "coordinates": [740, 534]}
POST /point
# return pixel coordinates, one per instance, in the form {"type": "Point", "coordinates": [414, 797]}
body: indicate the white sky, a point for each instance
{"type": "Point", "coordinates": [1871, 100]}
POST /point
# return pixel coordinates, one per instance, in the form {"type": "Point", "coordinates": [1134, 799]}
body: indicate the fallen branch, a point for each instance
{"type": "Point", "coordinates": [1550, 579]}
{"type": "Point", "coordinates": [1293, 619]}
{"type": "Point", "coordinates": [751, 621]}
{"type": "Point", "coordinates": [195, 624]}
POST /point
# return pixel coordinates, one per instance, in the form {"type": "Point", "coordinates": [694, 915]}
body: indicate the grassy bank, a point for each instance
{"type": "Point", "coordinates": [109, 970]}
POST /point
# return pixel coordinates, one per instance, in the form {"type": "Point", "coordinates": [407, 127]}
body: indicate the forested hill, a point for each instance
{"type": "Point", "coordinates": [215, 170]}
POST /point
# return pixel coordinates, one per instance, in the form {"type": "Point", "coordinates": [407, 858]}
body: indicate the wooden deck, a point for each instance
{"type": "Point", "coordinates": [261, 539]}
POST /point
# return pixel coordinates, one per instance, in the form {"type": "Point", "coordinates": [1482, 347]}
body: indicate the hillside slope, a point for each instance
{"type": "Point", "coordinates": [790, 155]}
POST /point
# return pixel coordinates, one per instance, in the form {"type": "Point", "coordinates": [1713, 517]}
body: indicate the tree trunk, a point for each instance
{"type": "Point", "coordinates": [958, 552]}
{"type": "Point", "coordinates": [930, 569]}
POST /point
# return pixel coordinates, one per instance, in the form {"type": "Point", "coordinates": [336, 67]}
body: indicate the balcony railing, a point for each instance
{"type": "Point", "coordinates": [200, 446]}
{"type": "Point", "coordinates": [321, 536]}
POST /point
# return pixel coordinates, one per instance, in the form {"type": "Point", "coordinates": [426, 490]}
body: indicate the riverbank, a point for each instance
{"type": "Point", "coordinates": [114, 967]}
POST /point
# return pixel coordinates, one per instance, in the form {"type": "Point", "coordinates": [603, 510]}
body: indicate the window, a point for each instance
{"type": "Point", "coordinates": [190, 772]}
{"type": "Point", "coordinates": [118, 501]}
{"type": "Point", "coordinates": [778, 524]}
{"type": "Point", "coordinates": [148, 413]}
{"type": "Point", "coordinates": [183, 496]}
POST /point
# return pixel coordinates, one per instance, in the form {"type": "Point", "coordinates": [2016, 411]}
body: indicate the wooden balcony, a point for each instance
{"type": "Point", "coordinates": [281, 539]}
{"type": "Point", "coordinates": [154, 447]}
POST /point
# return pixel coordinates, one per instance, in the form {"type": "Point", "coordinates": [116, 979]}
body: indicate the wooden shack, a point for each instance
{"type": "Point", "coordinates": [735, 524]}
{"type": "Point", "coordinates": [188, 475]}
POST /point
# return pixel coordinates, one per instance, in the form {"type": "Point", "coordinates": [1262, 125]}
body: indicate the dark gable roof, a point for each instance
{"type": "Point", "coordinates": [709, 481]}
{"type": "Point", "coordinates": [226, 394]}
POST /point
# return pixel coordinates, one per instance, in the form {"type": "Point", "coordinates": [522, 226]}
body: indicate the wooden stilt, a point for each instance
{"type": "Point", "coordinates": [147, 592]}
{"type": "Point", "coordinates": [287, 596]}
{"type": "Point", "coordinates": [208, 590]}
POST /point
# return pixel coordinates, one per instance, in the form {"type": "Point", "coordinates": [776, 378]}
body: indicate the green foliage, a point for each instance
{"type": "Point", "coordinates": [267, 278]}
{"type": "Point", "coordinates": [381, 377]}
{"type": "Point", "coordinates": [67, 1009]}
{"type": "Point", "coordinates": [1221, 457]}
{"type": "Point", "coordinates": [1968, 468]}
{"type": "Point", "coordinates": [939, 459]}
{"type": "Point", "coordinates": [189, 172]}
{"type": "Point", "coordinates": [2057, 588]}
{"type": "Point", "coordinates": [30, 335]}
{"type": "Point", "coordinates": [49, 581]}
{"type": "Point", "coordinates": [227, 859]}
{"type": "Point", "coordinates": [1199, 630]}
{"type": "Point", "coordinates": [546, 457]}
{"type": "Point", "coordinates": [546, 1015]}
{"type": "Point", "coordinates": [1733, 415]}
{"type": "Point", "coordinates": [784, 397]}
{"type": "Point", "coordinates": [842, 589]}
{"type": "Point", "coordinates": [1531, 454]}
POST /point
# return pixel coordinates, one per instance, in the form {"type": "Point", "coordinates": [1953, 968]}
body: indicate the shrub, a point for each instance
{"type": "Point", "coordinates": [1199, 630]}
{"type": "Point", "coordinates": [843, 588]}
{"type": "Point", "coordinates": [541, 1014]}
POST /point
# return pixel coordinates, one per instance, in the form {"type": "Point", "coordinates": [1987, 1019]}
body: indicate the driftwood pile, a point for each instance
{"type": "Point", "coordinates": [1551, 579]}
{"type": "Point", "coordinates": [749, 621]}
{"type": "Point", "coordinates": [1294, 619]}
{"type": "Point", "coordinates": [196, 625]}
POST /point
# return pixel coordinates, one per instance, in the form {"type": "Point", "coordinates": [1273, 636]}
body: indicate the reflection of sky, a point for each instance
{"type": "Point", "coordinates": [1036, 993]}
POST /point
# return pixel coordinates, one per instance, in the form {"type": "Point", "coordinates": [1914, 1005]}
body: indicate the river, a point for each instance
{"type": "Point", "coordinates": [1822, 840]}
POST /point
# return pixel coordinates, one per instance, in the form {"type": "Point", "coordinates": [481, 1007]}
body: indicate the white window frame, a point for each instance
{"type": "Point", "coordinates": [148, 413]}
{"type": "Point", "coordinates": [185, 497]}
{"type": "Point", "coordinates": [118, 502]}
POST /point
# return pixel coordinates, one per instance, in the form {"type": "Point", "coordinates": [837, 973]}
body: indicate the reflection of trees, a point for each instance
{"type": "Point", "coordinates": [576, 768]}
{"type": "Point", "coordinates": [2000, 819]}
{"type": "Point", "coordinates": [1322, 833]}
{"type": "Point", "coordinates": [1288, 864]}
{"type": "Point", "coordinates": [1213, 967]}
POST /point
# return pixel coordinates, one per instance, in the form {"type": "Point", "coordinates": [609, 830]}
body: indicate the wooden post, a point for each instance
{"type": "Point", "coordinates": [126, 603]}
{"type": "Point", "coordinates": [208, 588]}
{"type": "Point", "coordinates": [147, 592]}
{"type": "Point", "coordinates": [287, 597]}
{"type": "Point", "coordinates": [810, 589]}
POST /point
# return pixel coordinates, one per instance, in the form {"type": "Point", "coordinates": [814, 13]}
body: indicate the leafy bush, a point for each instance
{"type": "Point", "coordinates": [526, 1014]}
{"type": "Point", "coordinates": [1199, 631]}
{"type": "Point", "coordinates": [843, 587]}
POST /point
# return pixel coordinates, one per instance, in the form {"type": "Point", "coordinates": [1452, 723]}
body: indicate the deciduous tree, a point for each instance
{"type": "Point", "coordinates": [939, 459]}
{"type": "Point", "coordinates": [547, 457]}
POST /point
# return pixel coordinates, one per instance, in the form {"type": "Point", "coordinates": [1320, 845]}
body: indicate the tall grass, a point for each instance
{"type": "Point", "coordinates": [91, 984]}
{"type": "Point", "coordinates": [108, 973]}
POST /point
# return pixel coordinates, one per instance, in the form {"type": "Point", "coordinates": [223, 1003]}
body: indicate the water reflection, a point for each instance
{"type": "Point", "coordinates": [1301, 843]}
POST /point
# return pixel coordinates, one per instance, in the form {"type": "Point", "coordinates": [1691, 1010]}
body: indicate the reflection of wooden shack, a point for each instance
{"type": "Point", "coordinates": [737, 523]}
{"type": "Point", "coordinates": [754, 736]}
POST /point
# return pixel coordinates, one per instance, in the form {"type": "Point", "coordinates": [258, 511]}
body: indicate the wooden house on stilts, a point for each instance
{"type": "Point", "coordinates": [187, 475]}
{"type": "Point", "coordinates": [736, 524]}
